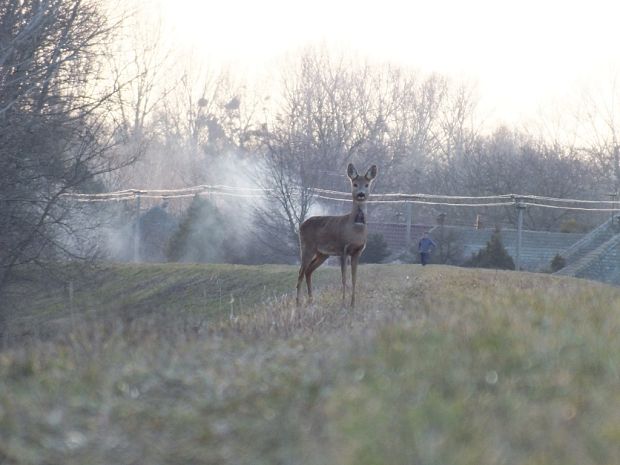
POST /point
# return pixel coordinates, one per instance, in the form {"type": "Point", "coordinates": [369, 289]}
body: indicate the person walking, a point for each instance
{"type": "Point", "coordinates": [425, 247]}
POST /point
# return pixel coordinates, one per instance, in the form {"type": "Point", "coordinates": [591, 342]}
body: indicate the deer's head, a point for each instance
{"type": "Point", "coordinates": [360, 185]}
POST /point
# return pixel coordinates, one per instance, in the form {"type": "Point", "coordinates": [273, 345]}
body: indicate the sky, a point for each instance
{"type": "Point", "coordinates": [523, 55]}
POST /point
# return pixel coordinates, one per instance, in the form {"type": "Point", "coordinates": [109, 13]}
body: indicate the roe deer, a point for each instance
{"type": "Point", "coordinates": [342, 236]}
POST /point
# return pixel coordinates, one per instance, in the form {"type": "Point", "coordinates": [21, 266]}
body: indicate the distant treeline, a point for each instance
{"type": "Point", "coordinates": [90, 104]}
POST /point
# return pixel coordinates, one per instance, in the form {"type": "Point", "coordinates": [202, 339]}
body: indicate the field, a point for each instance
{"type": "Point", "coordinates": [213, 364]}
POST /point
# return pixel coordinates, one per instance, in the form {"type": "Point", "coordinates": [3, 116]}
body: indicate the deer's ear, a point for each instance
{"type": "Point", "coordinates": [371, 173]}
{"type": "Point", "coordinates": [351, 171]}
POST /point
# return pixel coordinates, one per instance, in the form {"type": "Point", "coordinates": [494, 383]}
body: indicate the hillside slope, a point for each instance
{"type": "Point", "coordinates": [127, 291]}
{"type": "Point", "coordinates": [435, 365]}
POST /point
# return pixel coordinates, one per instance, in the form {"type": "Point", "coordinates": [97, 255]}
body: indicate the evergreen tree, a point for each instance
{"type": "Point", "coordinates": [494, 255]}
{"type": "Point", "coordinates": [376, 249]}
{"type": "Point", "coordinates": [156, 230]}
{"type": "Point", "coordinates": [557, 263]}
{"type": "Point", "coordinates": [201, 236]}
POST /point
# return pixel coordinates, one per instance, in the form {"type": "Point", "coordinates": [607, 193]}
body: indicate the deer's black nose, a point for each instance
{"type": "Point", "coordinates": [361, 196]}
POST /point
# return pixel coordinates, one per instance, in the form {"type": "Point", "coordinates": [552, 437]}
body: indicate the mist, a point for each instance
{"type": "Point", "coordinates": [160, 165]}
{"type": "Point", "coordinates": [255, 147]}
{"type": "Point", "coordinates": [213, 225]}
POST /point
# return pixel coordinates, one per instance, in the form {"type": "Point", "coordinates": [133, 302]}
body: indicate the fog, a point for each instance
{"type": "Point", "coordinates": [294, 128]}
{"type": "Point", "coordinates": [524, 55]}
{"type": "Point", "coordinates": [137, 137]}
{"type": "Point", "coordinates": [213, 225]}
{"type": "Point", "coordinates": [140, 103]}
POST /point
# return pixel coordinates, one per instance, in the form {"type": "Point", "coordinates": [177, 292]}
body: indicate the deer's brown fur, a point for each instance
{"type": "Point", "coordinates": [343, 236]}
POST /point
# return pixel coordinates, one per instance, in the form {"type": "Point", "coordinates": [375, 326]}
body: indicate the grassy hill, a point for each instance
{"type": "Point", "coordinates": [193, 364]}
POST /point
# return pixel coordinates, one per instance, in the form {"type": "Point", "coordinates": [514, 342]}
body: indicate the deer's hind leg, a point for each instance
{"type": "Point", "coordinates": [306, 260]}
{"type": "Point", "coordinates": [317, 261]}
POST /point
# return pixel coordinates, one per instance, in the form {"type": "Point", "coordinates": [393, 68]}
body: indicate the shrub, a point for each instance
{"type": "Point", "coordinates": [204, 235]}
{"type": "Point", "coordinates": [449, 247]}
{"type": "Point", "coordinates": [156, 229]}
{"type": "Point", "coordinates": [571, 225]}
{"type": "Point", "coordinates": [494, 255]}
{"type": "Point", "coordinates": [557, 263]}
{"type": "Point", "coordinates": [376, 249]}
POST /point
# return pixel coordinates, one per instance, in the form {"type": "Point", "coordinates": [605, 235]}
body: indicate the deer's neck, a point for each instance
{"type": "Point", "coordinates": [358, 213]}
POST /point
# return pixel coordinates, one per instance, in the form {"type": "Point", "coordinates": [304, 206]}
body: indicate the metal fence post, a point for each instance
{"type": "Point", "coordinates": [520, 207]}
{"type": "Point", "coordinates": [136, 236]}
{"type": "Point", "coordinates": [409, 207]}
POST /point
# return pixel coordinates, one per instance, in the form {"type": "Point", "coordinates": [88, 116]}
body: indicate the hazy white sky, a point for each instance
{"type": "Point", "coordinates": [522, 53]}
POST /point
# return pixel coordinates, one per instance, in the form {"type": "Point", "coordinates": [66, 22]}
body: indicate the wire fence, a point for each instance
{"type": "Point", "coordinates": [500, 200]}
{"type": "Point", "coordinates": [403, 233]}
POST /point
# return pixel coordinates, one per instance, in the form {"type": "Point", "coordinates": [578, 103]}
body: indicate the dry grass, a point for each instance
{"type": "Point", "coordinates": [435, 365]}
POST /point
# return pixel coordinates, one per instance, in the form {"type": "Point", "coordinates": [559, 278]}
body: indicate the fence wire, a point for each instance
{"type": "Point", "coordinates": [501, 200]}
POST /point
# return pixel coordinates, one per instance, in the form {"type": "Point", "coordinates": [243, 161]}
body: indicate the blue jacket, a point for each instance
{"type": "Point", "coordinates": [426, 244]}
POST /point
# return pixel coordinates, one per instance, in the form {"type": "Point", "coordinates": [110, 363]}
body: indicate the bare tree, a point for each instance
{"type": "Point", "coordinates": [335, 110]}
{"type": "Point", "coordinates": [600, 131]}
{"type": "Point", "coordinates": [54, 135]}
{"type": "Point", "coordinates": [509, 161]}
{"type": "Point", "coordinates": [316, 128]}
{"type": "Point", "coordinates": [141, 67]}
{"type": "Point", "coordinates": [208, 116]}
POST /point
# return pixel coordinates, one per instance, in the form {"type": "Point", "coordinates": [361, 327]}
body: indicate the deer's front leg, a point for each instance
{"type": "Point", "coordinates": [354, 261]}
{"type": "Point", "coordinates": [343, 272]}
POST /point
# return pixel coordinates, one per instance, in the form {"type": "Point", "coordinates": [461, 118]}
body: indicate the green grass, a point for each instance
{"type": "Point", "coordinates": [130, 291]}
{"type": "Point", "coordinates": [436, 365]}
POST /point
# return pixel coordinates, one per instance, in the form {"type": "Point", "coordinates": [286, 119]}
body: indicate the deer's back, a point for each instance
{"type": "Point", "coordinates": [331, 234]}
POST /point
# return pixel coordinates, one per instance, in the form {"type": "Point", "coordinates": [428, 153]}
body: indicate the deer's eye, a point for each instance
{"type": "Point", "coordinates": [355, 185]}
{"type": "Point", "coordinates": [366, 185]}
